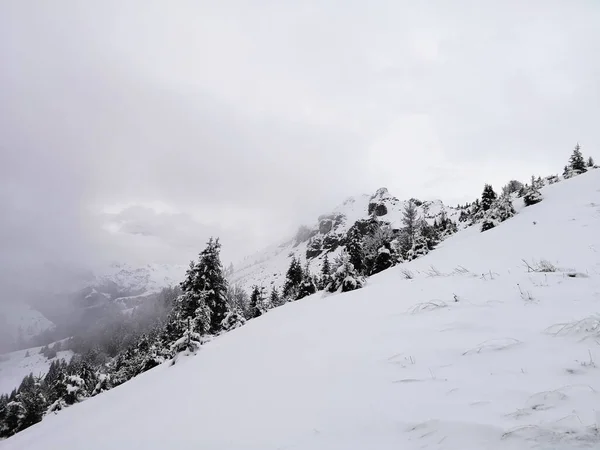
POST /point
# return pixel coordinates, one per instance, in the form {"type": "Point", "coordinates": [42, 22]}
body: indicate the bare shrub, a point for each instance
{"type": "Point", "coordinates": [494, 345]}
{"type": "Point", "coordinates": [428, 306]}
{"type": "Point", "coordinates": [589, 327]}
{"type": "Point", "coordinates": [407, 274]}
{"type": "Point", "coordinates": [543, 266]}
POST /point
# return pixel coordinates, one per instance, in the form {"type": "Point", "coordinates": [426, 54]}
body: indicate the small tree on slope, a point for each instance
{"type": "Point", "coordinates": [532, 196]}
{"type": "Point", "coordinates": [189, 342]}
{"type": "Point", "coordinates": [500, 210]}
{"type": "Point", "coordinates": [275, 298]}
{"type": "Point", "coordinates": [488, 197]}
{"type": "Point", "coordinates": [308, 286]}
{"type": "Point", "coordinates": [409, 220]}
{"type": "Point", "coordinates": [325, 273]}
{"type": "Point", "coordinates": [257, 303]}
{"type": "Point", "coordinates": [576, 162]}
{"type": "Point", "coordinates": [234, 319]}
{"type": "Point", "coordinates": [293, 279]}
{"type": "Point", "coordinates": [345, 276]}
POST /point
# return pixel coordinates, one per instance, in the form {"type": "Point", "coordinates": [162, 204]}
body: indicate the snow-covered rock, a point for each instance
{"type": "Point", "coordinates": [268, 268]}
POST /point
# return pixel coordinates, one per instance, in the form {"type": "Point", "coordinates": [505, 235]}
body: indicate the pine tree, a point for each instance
{"type": "Point", "coordinates": [13, 416]}
{"type": "Point", "coordinates": [590, 162]}
{"type": "Point", "coordinates": [33, 402]}
{"type": "Point", "coordinates": [256, 302]}
{"type": "Point", "coordinates": [419, 246]}
{"type": "Point", "coordinates": [487, 197]}
{"type": "Point", "coordinates": [355, 249]}
{"type": "Point", "coordinates": [345, 276]}
{"type": "Point", "coordinates": [532, 196]}
{"type": "Point", "coordinates": [189, 342]}
{"type": "Point", "coordinates": [307, 287]}
{"type": "Point", "coordinates": [188, 283]}
{"type": "Point", "coordinates": [233, 320]}
{"type": "Point", "coordinates": [3, 411]}
{"type": "Point", "coordinates": [409, 220]}
{"type": "Point", "coordinates": [274, 298]}
{"type": "Point", "coordinates": [325, 273]}
{"type": "Point", "coordinates": [383, 260]}
{"type": "Point", "coordinates": [204, 297]}
{"type": "Point", "coordinates": [501, 210]}
{"type": "Point", "coordinates": [212, 281]}
{"type": "Point", "coordinates": [576, 162]}
{"type": "Point", "coordinates": [52, 386]}
{"type": "Point", "coordinates": [431, 234]}
{"type": "Point", "coordinates": [293, 279]}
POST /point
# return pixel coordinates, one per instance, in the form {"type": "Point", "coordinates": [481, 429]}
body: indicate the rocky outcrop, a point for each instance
{"type": "Point", "coordinates": [303, 234]}
{"type": "Point", "coordinates": [377, 209]}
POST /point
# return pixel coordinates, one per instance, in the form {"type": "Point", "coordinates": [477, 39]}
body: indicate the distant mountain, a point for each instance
{"type": "Point", "coordinates": [328, 236]}
{"type": "Point", "coordinates": [79, 301]}
{"type": "Point", "coordinates": [128, 286]}
{"type": "Point", "coordinates": [20, 322]}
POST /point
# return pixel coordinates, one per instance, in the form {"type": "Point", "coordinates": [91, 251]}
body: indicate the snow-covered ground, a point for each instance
{"type": "Point", "coordinates": [462, 349]}
{"type": "Point", "coordinates": [15, 366]}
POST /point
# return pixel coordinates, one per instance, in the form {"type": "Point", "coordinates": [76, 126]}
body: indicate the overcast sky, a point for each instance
{"type": "Point", "coordinates": [134, 129]}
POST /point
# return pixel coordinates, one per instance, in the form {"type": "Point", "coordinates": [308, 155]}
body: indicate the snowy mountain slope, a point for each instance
{"type": "Point", "coordinates": [268, 268]}
{"type": "Point", "coordinates": [16, 365]}
{"type": "Point", "coordinates": [398, 364]}
{"type": "Point", "coordinates": [120, 280]}
{"type": "Point", "coordinates": [19, 322]}
{"type": "Point", "coordinates": [141, 280]}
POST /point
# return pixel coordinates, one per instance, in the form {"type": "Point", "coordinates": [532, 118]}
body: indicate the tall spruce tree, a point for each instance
{"type": "Point", "coordinates": [32, 399]}
{"type": "Point", "coordinates": [576, 162]}
{"type": "Point", "coordinates": [256, 302]}
{"type": "Point", "coordinates": [409, 220]}
{"type": "Point", "coordinates": [293, 279]}
{"type": "Point", "coordinates": [325, 273]}
{"type": "Point", "coordinates": [307, 287]}
{"type": "Point", "coordinates": [212, 283]}
{"type": "Point", "coordinates": [354, 248]}
{"type": "Point", "coordinates": [274, 299]}
{"type": "Point", "coordinates": [488, 197]}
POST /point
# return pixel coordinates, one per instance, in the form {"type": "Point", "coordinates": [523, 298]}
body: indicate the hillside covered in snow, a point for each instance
{"type": "Point", "coordinates": [329, 235]}
{"type": "Point", "coordinates": [19, 322]}
{"type": "Point", "coordinates": [488, 342]}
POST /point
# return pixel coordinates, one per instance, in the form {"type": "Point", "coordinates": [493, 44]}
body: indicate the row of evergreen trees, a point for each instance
{"type": "Point", "coordinates": [493, 209]}
{"type": "Point", "coordinates": [202, 306]}
{"type": "Point", "coordinates": [370, 246]}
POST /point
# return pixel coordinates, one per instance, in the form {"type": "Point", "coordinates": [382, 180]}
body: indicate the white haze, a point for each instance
{"type": "Point", "coordinates": [133, 131]}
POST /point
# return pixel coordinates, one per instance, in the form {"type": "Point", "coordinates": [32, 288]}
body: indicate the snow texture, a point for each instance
{"type": "Point", "coordinates": [370, 369]}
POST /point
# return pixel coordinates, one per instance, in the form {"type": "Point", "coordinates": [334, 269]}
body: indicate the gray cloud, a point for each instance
{"type": "Point", "coordinates": [248, 118]}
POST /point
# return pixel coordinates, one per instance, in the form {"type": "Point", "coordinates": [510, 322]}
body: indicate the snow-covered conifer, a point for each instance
{"type": "Point", "coordinates": [576, 162]}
